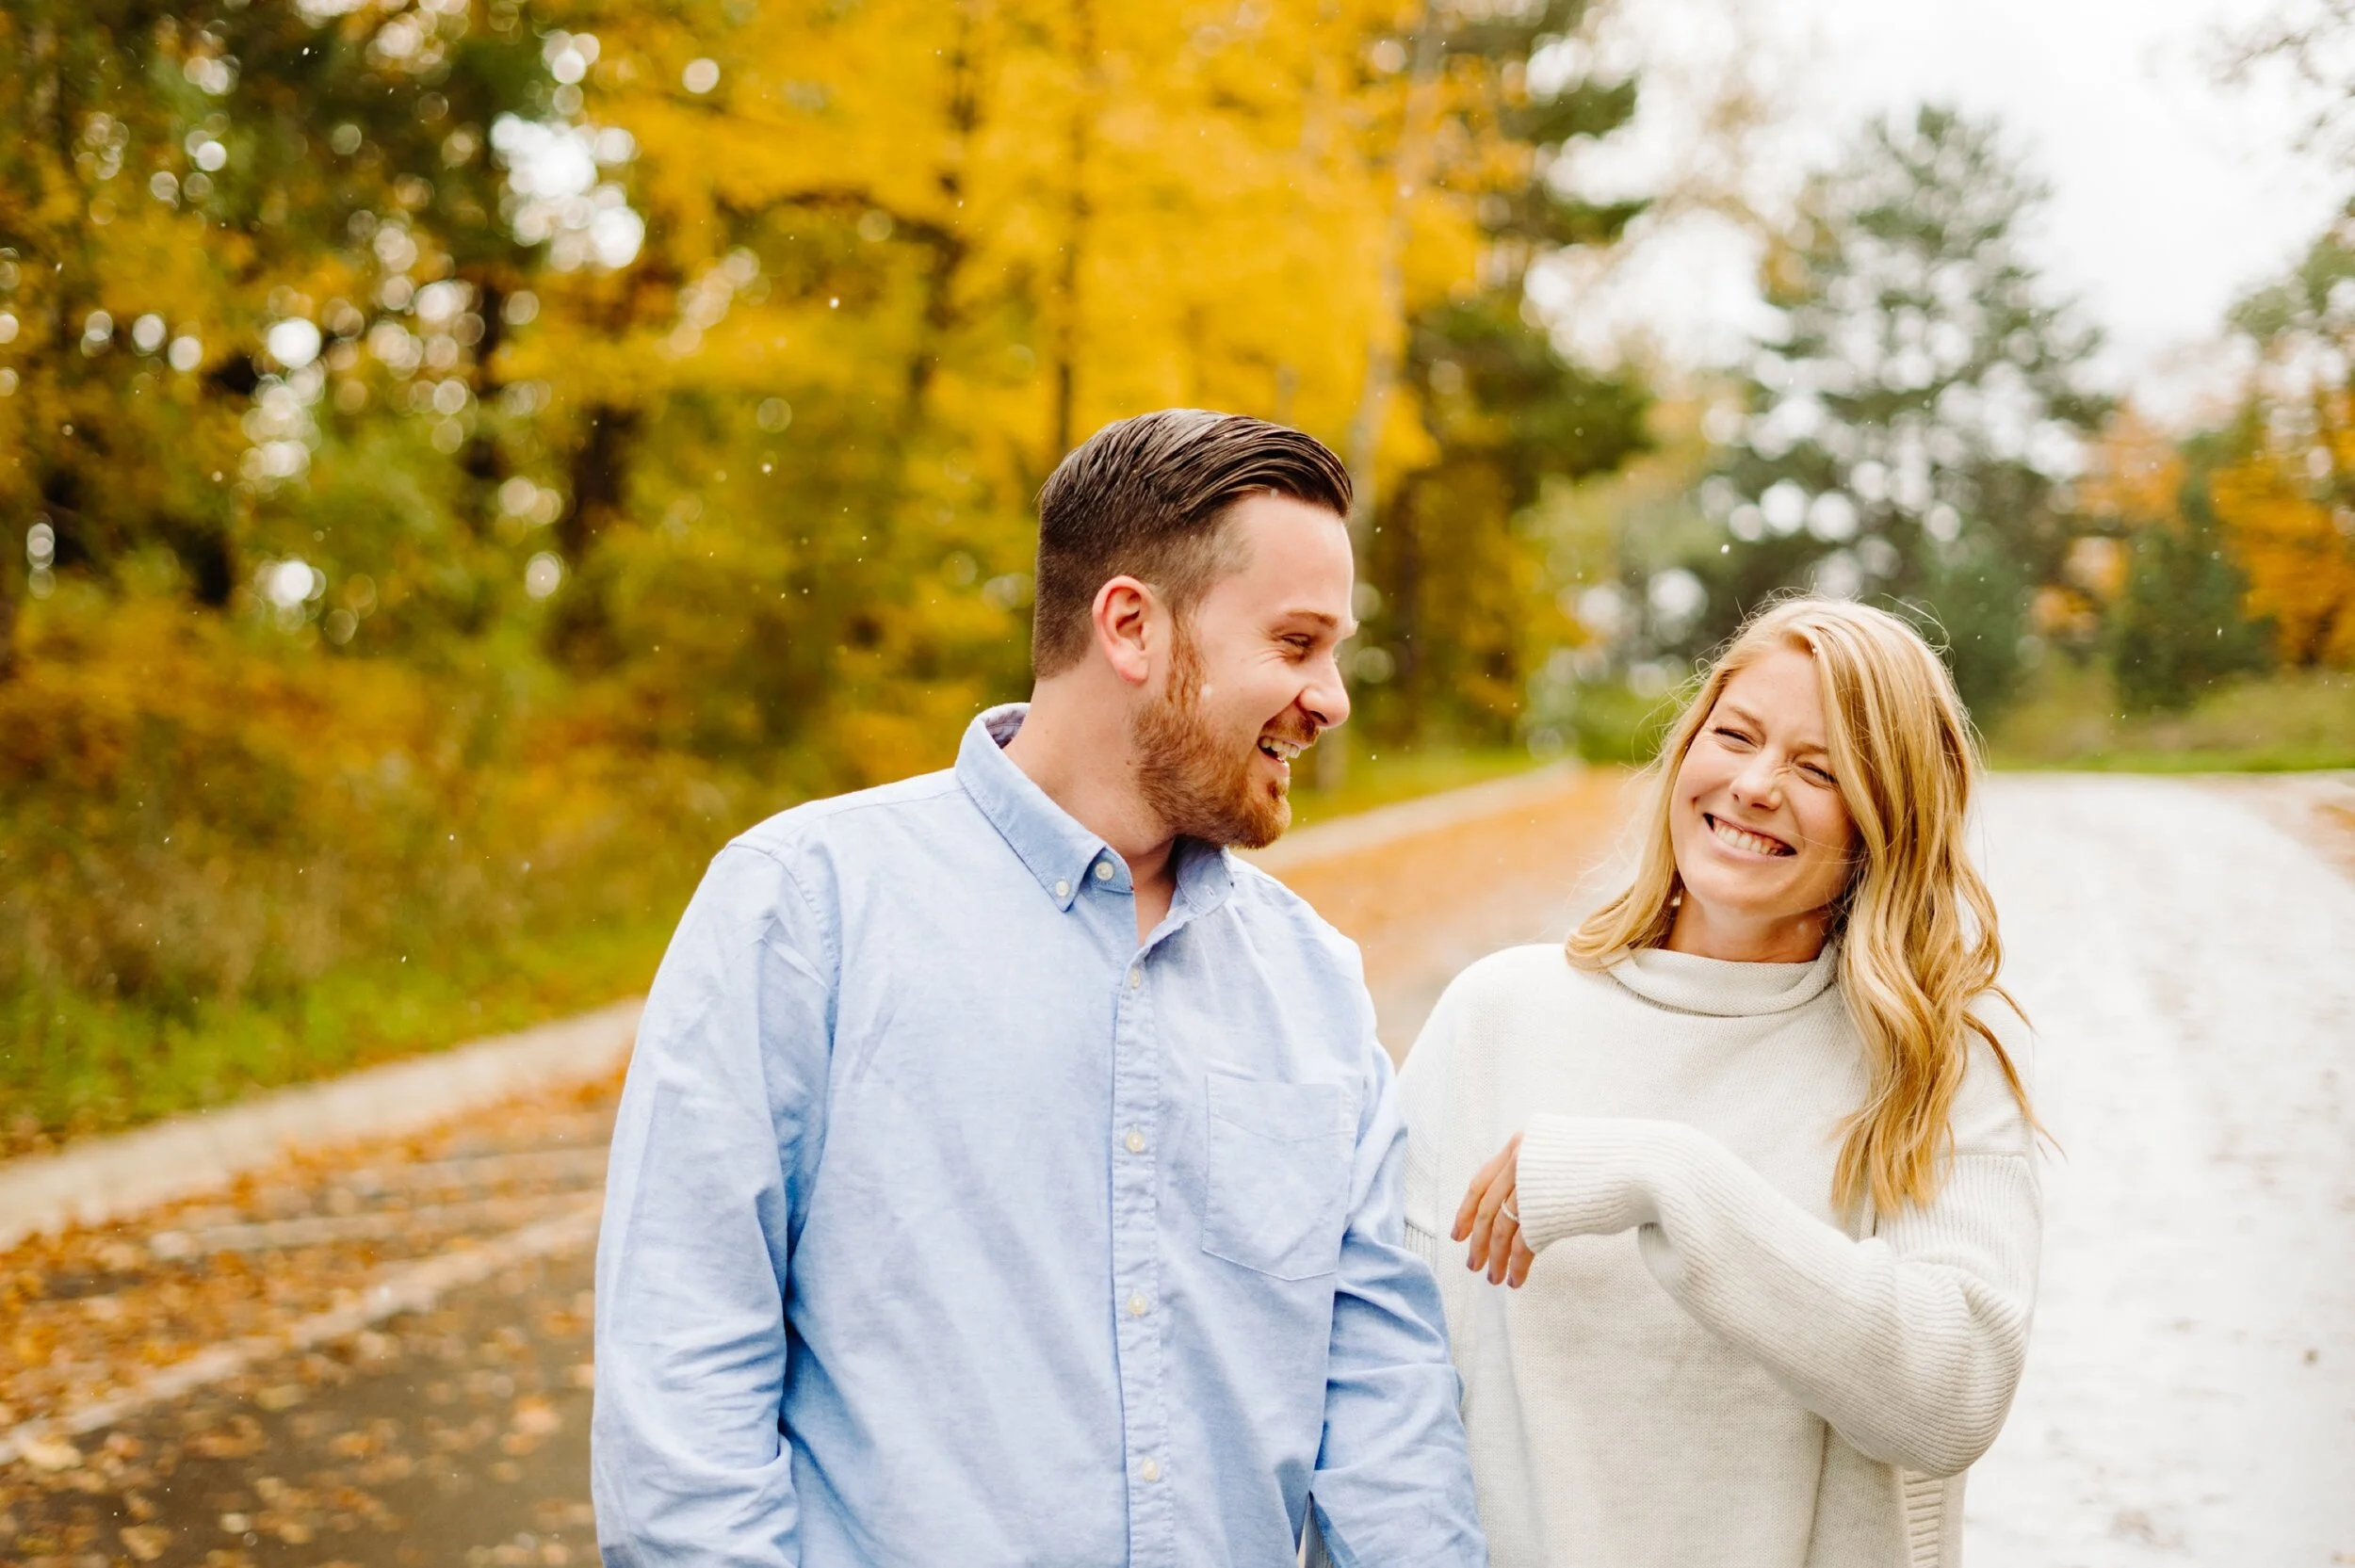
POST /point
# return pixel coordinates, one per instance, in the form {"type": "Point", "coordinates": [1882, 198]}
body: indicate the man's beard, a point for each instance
{"type": "Point", "coordinates": [1193, 778]}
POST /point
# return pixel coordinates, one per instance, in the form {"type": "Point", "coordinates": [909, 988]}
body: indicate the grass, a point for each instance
{"type": "Point", "coordinates": [2285, 722]}
{"type": "Point", "coordinates": [74, 1065]}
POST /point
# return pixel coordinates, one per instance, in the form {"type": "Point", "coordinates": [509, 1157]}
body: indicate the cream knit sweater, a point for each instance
{"type": "Point", "coordinates": [1708, 1366]}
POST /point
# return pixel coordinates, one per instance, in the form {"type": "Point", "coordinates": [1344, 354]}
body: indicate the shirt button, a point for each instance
{"type": "Point", "coordinates": [1149, 1468]}
{"type": "Point", "coordinates": [1103, 871]}
{"type": "Point", "coordinates": [1063, 889]}
{"type": "Point", "coordinates": [1134, 1143]}
{"type": "Point", "coordinates": [1139, 1306]}
{"type": "Point", "coordinates": [1136, 978]}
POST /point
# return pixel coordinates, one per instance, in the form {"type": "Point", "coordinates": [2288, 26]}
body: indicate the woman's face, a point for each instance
{"type": "Point", "coordinates": [1761, 837]}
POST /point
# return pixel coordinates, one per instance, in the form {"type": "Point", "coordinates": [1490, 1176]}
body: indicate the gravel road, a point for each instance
{"type": "Point", "coordinates": [2185, 949]}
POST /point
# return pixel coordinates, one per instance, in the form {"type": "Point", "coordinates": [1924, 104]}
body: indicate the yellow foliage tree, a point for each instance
{"type": "Point", "coordinates": [604, 424]}
{"type": "Point", "coordinates": [2288, 508]}
{"type": "Point", "coordinates": [2287, 496]}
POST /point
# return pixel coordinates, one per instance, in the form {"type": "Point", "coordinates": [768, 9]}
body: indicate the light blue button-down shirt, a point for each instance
{"type": "Point", "coordinates": [949, 1227]}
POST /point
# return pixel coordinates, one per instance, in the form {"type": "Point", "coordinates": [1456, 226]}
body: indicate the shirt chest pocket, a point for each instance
{"type": "Point", "coordinates": [1278, 1175]}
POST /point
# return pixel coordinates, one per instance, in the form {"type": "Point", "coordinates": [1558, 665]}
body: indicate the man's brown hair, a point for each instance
{"type": "Point", "coordinates": [1147, 498]}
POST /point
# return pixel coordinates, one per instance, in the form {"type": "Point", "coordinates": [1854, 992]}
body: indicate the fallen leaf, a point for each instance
{"type": "Point", "coordinates": [44, 1452]}
{"type": "Point", "coordinates": [536, 1417]}
{"type": "Point", "coordinates": [146, 1542]}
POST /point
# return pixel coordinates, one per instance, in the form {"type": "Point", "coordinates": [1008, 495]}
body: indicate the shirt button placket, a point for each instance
{"type": "Point", "coordinates": [1136, 1241]}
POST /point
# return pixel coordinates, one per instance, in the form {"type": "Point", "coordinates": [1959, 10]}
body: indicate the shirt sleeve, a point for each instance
{"type": "Point", "coordinates": [1393, 1481]}
{"type": "Point", "coordinates": [1910, 1341]}
{"type": "Point", "coordinates": [719, 1127]}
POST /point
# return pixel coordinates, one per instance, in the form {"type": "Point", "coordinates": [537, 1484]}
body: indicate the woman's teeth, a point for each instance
{"type": "Point", "coordinates": [1741, 838]}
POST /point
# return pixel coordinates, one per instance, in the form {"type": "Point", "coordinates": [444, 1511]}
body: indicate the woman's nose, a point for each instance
{"type": "Point", "coordinates": [1760, 779]}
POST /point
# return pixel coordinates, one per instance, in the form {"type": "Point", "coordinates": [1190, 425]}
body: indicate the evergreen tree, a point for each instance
{"type": "Point", "coordinates": [1911, 432]}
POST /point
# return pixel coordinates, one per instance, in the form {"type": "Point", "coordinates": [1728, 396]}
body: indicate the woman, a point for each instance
{"type": "Point", "coordinates": [1746, 1174]}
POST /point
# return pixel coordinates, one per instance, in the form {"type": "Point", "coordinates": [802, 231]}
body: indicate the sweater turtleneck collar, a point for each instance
{"type": "Point", "coordinates": [1723, 988]}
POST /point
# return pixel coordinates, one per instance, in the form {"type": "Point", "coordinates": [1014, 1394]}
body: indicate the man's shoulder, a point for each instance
{"type": "Point", "coordinates": [861, 818]}
{"type": "Point", "coordinates": [1277, 907]}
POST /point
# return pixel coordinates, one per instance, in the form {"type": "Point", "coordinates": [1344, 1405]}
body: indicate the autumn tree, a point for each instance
{"type": "Point", "coordinates": [461, 458]}
{"type": "Point", "coordinates": [2154, 569]}
{"type": "Point", "coordinates": [2286, 492]}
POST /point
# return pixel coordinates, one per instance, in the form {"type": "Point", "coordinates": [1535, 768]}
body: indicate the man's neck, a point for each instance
{"type": "Point", "coordinates": [1091, 777]}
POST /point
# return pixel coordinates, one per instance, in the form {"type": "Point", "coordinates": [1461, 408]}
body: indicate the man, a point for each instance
{"type": "Point", "coordinates": [1008, 1176]}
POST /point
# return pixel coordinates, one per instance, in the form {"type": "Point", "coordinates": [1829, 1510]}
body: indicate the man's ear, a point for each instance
{"type": "Point", "coordinates": [1123, 616]}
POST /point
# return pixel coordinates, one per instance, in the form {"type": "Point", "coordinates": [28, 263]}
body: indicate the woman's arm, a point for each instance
{"type": "Point", "coordinates": [1910, 1342]}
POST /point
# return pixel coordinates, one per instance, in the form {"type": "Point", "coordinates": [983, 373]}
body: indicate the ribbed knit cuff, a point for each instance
{"type": "Point", "coordinates": [1588, 1175]}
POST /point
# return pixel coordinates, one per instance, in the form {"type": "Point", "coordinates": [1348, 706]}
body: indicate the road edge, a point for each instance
{"type": "Point", "coordinates": [90, 1183]}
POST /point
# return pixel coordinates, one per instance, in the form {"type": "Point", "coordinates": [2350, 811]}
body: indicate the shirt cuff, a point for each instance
{"type": "Point", "coordinates": [1590, 1175]}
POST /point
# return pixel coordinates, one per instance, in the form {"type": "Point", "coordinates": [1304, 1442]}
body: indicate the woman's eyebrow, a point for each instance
{"type": "Point", "coordinates": [1735, 710]}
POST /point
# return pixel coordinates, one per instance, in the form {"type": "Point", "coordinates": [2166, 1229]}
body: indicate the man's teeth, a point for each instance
{"type": "Point", "coordinates": [1756, 844]}
{"type": "Point", "coordinates": [1282, 750]}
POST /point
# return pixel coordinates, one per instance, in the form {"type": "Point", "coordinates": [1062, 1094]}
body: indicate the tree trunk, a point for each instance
{"type": "Point", "coordinates": [1387, 332]}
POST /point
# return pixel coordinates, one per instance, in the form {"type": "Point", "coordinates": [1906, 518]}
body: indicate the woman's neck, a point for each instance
{"type": "Point", "coordinates": [1746, 939]}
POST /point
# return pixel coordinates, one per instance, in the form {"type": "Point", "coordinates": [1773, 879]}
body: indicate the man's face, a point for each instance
{"type": "Point", "coordinates": [1252, 678]}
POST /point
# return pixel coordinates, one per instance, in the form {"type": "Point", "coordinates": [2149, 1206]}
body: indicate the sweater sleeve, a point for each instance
{"type": "Point", "coordinates": [1910, 1342]}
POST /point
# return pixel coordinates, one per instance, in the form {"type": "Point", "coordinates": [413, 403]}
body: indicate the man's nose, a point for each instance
{"type": "Point", "coordinates": [1327, 697]}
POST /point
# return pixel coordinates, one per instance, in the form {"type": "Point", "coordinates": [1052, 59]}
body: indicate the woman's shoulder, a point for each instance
{"type": "Point", "coordinates": [1512, 975]}
{"type": "Point", "coordinates": [1512, 988]}
{"type": "Point", "coordinates": [1493, 1006]}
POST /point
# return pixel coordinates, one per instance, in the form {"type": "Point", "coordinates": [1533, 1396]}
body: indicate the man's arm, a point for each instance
{"type": "Point", "coordinates": [720, 1122]}
{"type": "Point", "coordinates": [1393, 1484]}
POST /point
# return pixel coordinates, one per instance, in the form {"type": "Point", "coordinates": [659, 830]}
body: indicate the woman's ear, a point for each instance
{"type": "Point", "coordinates": [1122, 618]}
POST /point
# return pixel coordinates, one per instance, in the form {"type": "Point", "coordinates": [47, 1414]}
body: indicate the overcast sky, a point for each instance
{"type": "Point", "coordinates": [2173, 193]}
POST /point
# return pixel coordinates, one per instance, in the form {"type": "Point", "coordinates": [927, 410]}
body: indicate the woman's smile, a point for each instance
{"type": "Point", "coordinates": [1749, 841]}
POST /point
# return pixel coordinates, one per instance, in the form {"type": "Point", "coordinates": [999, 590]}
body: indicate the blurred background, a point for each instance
{"type": "Point", "coordinates": [463, 459]}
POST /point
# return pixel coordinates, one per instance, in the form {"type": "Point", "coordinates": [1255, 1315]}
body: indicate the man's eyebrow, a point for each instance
{"type": "Point", "coordinates": [1324, 621]}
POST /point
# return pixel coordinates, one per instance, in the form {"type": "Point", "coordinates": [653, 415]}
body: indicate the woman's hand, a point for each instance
{"type": "Point", "coordinates": [1490, 1219]}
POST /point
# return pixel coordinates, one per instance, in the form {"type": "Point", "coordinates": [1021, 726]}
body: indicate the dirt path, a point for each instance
{"type": "Point", "coordinates": [2187, 951]}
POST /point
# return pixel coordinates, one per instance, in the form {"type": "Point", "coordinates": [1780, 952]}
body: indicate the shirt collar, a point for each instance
{"type": "Point", "coordinates": [1049, 840]}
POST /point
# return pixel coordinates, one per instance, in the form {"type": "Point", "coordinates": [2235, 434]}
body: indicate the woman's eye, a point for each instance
{"type": "Point", "coordinates": [1734, 735]}
{"type": "Point", "coordinates": [1818, 775]}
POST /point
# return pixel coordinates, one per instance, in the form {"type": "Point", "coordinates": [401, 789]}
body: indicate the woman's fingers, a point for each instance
{"type": "Point", "coordinates": [1482, 1220]}
{"type": "Point", "coordinates": [1504, 1238]}
{"type": "Point", "coordinates": [1522, 1258]}
{"type": "Point", "coordinates": [1492, 1226]}
{"type": "Point", "coordinates": [1468, 1209]}
{"type": "Point", "coordinates": [1491, 1205]}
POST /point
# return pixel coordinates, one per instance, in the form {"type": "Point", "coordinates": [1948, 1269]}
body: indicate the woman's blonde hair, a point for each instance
{"type": "Point", "coordinates": [1916, 926]}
